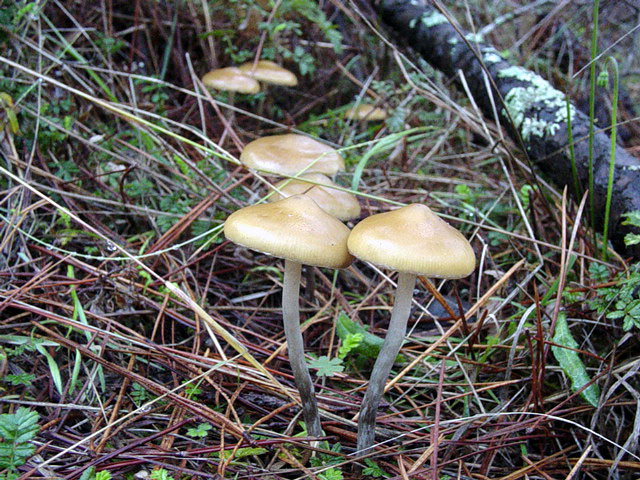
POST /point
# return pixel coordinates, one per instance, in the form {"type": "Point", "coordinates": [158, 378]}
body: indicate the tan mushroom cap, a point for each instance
{"type": "Point", "coordinates": [366, 112]}
{"type": "Point", "coordinates": [337, 203]}
{"type": "Point", "coordinates": [291, 154]}
{"type": "Point", "coordinates": [230, 79]}
{"type": "Point", "coordinates": [295, 228]}
{"type": "Point", "coordinates": [269, 72]}
{"type": "Point", "coordinates": [413, 239]}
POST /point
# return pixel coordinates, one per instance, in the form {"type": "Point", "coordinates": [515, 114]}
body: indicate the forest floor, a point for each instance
{"type": "Point", "coordinates": [136, 342]}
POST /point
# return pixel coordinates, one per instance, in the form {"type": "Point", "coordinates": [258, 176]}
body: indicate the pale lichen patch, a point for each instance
{"type": "Point", "coordinates": [474, 37]}
{"type": "Point", "coordinates": [491, 58]}
{"type": "Point", "coordinates": [537, 95]}
{"type": "Point", "coordinates": [431, 19]}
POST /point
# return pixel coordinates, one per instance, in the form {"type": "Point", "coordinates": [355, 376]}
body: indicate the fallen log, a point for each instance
{"type": "Point", "coordinates": [537, 112]}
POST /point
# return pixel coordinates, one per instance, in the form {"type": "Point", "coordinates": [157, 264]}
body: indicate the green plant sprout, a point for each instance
{"type": "Point", "coordinates": [592, 108]}
{"type": "Point", "coordinates": [603, 80]}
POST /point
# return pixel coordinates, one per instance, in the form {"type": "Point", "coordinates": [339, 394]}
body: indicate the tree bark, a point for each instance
{"type": "Point", "coordinates": [537, 112]}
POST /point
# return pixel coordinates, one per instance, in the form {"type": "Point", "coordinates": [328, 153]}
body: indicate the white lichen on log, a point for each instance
{"type": "Point", "coordinates": [537, 94]}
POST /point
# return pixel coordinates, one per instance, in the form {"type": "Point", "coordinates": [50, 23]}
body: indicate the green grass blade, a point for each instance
{"type": "Point", "coordinates": [592, 109]}
{"type": "Point", "coordinates": [612, 155]}
{"type": "Point", "coordinates": [53, 367]}
{"type": "Point", "coordinates": [572, 153]}
{"type": "Point", "coordinates": [385, 143]}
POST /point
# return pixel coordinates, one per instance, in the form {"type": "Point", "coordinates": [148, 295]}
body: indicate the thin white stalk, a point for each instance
{"type": "Point", "coordinates": [384, 362]}
{"type": "Point", "coordinates": [295, 345]}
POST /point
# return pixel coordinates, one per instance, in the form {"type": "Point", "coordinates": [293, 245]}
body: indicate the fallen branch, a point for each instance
{"type": "Point", "coordinates": [534, 112]}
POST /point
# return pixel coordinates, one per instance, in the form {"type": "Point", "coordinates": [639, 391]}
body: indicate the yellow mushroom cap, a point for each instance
{"type": "Point", "coordinates": [337, 203]}
{"type": "Point", "coordinates": [230, 79]}
{"type": "Point", "coordinates": [269, 72]}
{"type": "Point", "coordinates": [295, 228]}
{"type": "Point", "coordinates": [290, 154]}
{"type": "Point", "coordinates": [413, 239]}
{"type": "Point", "coordinates": [366, 112]}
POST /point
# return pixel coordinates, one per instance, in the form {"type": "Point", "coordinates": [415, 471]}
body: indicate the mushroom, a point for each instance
{"type": "Point", "coordinates": [299, 231]}
{"type": "Point", "coordinates": [230, 79]}
{"type": "Point", "coordinates": [366, 113]}
{"type": "Point", "coordinates": [291, 154]}
{"type": "Point", "coordinates": [269, 72]}
{"type": "Point", "coordinates": [337, 203]}
{"type": "Point", "coordinates": [413, 241]}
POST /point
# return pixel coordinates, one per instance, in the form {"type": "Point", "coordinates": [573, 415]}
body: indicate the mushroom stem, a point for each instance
{"type": "Point", "coordinates": [291, 320]}
{"type": "Point", "coordinates": [384, 362]}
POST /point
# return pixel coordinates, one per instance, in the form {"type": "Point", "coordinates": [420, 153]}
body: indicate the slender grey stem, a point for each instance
{"type": "Point", "coordinates": [384, 362]}
{"type": "Point", "coordinates": [291, 319]}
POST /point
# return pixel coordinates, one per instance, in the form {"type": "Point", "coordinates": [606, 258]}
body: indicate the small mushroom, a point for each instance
{"type": "Point", "coordinates": [230, 79]}
{"type": "Point", "coordinates": [291, 154]}
{"type": "Point", "coordinates": [413, 241]}
{"type": "Point", "coordinates": [337, 203]}
{"type": "Point", "coordinates": [299, 231]}
{"type": "Point", "coordinates": [366, 113]}
{"type": "Point", "coordinates": [269, 72]}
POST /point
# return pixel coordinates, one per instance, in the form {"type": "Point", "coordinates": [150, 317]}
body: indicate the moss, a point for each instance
{"type": "Point", "coordinates": [537, 95]}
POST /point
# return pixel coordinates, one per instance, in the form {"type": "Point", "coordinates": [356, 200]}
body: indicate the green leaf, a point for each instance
{"type": "Point", "coordinates": [16, 429]}
{"type": "Point", "coordinates": [327, 367]}
{"type": "Point", "coordinates": [19, 379]}
{"type": "Point", "coordinates": [331, 474]}
{"type": "Point", "coordinates": [200, 431]}
{"type": "Point", "coordinates": [160, 474]}
{"type": "Point", "coordinates": [370, 344]}
{"type": "Point", "coordinates": [631, 239]}
{"type": "Point", "coordinates": [244, 452]}
{"type": "Point", "coordinates": [88, 474]}
{"type": "Point", "coordinates": [372, 469]}
{"type": "Point", "coordinates": [570, 362]}
{"type": "Point", "coordinates": [598, 272]}
{"type": "Point", "coordinates": [53, 366]}
{"type": "Point", "coordinates": [633, 218]}
{"type": "Point", "coordinates": [351, 341]}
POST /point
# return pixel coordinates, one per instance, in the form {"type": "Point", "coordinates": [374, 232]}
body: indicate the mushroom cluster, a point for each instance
{"type": "Point", "coordinates": [302, 224]}
{"type": "Point", "coordinates": [244, 79]}
{"type": "Point", "coordinates": [411, 240]}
